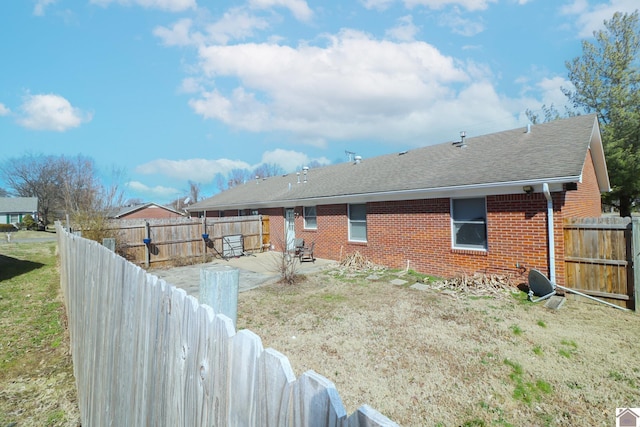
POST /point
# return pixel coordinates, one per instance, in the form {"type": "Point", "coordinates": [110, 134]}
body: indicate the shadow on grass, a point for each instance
{"type": "Point", "coordinates": [11, 267]}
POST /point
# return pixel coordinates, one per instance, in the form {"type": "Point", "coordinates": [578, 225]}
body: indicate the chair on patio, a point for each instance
{"type": "Point", "coordinates": [298, 245]}
{"type": "Point", "coordinates": [306, 253]}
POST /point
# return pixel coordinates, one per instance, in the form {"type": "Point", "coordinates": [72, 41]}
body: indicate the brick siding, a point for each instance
{"type": "Point", "coordinates": [418, 232]}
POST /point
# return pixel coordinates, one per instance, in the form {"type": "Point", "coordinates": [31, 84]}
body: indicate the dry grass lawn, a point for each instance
{"type": "Point", "coordinates": [432, 358]}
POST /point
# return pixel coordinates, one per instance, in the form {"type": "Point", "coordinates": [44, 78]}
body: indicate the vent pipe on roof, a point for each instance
{"type": "Point", "coordinates": [304, 171]}
{"type": "Point", "coordinates": [528, 127]}
{"type": "Point", "coordinates": [357, 160]}
{"type": "Point", "coordinates": [298, 175]}
{"type": "Point", "coordinates": [461, 143]}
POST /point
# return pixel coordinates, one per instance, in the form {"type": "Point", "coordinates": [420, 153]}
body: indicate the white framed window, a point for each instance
{"type": "Point", "coordinates": [310, 218]}
{"type": "Point", "coordinates": [469, 223]}
{"type": "Point", "coordinates": [14, 218]}
{"type": "Point", "coordinates": [358, 223]}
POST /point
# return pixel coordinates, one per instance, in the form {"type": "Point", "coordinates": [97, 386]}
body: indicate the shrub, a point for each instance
{"type": "Point", "coordinates": [7, 228]}
{"type": "Point", "coordinates": [28, 222]}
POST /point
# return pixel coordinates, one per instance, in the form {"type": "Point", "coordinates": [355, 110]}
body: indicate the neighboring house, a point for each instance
{"type": "Point", "coordinates": [146, 211]}
{"type": "Point", "coordinates": [483, 205]}
{"type": "Point", "coordinates": [14, 209]}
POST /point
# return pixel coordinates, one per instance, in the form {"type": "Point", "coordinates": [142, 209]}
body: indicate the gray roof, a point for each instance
{"type": "Point", "coordinates": [18, 204]}
{"type": "Point", "coordinates": [552, 153]}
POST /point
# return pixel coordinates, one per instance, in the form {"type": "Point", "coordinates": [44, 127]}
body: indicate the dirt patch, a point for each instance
{"type": "Point", "coordinates": [441, 357]}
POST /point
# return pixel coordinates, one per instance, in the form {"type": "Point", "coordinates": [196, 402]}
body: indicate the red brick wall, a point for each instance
{"type": "Point", "coordinates": [419, 231]}
{"type": "Point", "coordinates": [149, 213]}
{"type": "Point", "coordinates": [586, 201]}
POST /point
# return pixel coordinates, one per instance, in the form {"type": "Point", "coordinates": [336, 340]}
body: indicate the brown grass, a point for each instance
{"type": "Point", "coordinates": [426, 358]}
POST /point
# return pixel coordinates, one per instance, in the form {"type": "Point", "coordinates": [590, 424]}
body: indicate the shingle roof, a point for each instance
{"type": "Point", "coordinates": [18, 204]}
{"type": "Point", "coordinates": [549, 152]}
{"type": "Point", "coordinates": [126, 210]}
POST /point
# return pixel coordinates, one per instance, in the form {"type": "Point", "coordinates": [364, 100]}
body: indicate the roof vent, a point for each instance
{"type": "Point", "coordinates": [357, 160]}
{"type": "Point", "coordinates": [305, 169]}
{"type": "Point", "coordinates": [461, 143]}
{"type": "Point", "coordinates": [528, 128]}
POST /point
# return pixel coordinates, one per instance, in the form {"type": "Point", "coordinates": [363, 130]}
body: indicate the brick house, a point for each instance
{"type": "Point", "coordinates": [482, 204]}
{"type": "Point", "coordinates": [146, 211]}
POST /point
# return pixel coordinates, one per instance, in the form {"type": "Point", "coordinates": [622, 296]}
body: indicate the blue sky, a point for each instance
{"type": "Point", "coordinates": [171, 91]}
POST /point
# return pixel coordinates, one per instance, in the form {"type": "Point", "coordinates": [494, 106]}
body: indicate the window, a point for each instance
{"type": "Point", "coordinates": [469, 223]}
{"type": "Point", "coordinates": [358, 223]}
{"type": "Point", "coordinates": [14, 218]}
{"type": "Point", "coordinates": [310, 219]}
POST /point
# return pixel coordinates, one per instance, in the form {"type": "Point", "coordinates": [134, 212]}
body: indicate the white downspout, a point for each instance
{"type": "Point", "coordinates": [551, 242]}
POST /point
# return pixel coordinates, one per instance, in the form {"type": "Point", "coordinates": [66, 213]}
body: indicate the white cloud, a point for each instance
{"type": "Point", "coordinates": [38, 9]}
{"type": "Point", "coordinates": [299, 8]}
{"type": "Point", "coordinates": [432, 4]}
{"type": "Point", "coordinates": [50, 112]}
{"type": "Point", "coordinates": [377, 4]}
{"type": "Point", "coordinates": [331, 92]}
{"type": "Point", "coordinates": [156, 191]}
{"type": "Point", "coordinates": [168, 5]}
{"type": "Point", "coordinates": [177, 35]}
{"type": "Point", "coordinates": [4, 111]}
{"type": "Point", "coordinates": [459, 25]}
{"type": "Point", "coordinates": [234, 24]}
{"type": "Point", "coordinates": [471, 5]}
{"type": "Point", "coordinates": [591, 18]}
{"type": "Point", "coordinates": [290, 160]}
{"type": "Point", "coordinates": [406, 30]}
{"type": "Point", "coordinates": [198, 170]}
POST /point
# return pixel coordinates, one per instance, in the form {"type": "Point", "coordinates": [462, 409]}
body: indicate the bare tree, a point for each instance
{"type": "Point", "coordinates": [36, 176]}
{"type": "Point", "coordinates": [64, 185]}
{"type": "Point", "coordinates": [266, 170]}
{"type": "Point", "coordinates": [194, 191]}
{"type": "Point", "coordinates": [238, 176]}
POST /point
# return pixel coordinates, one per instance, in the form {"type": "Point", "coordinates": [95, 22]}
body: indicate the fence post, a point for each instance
{"type": "Point", "coordinates": [205, 237]}
{"type": "Point", "coordinates": [635, 258]}
{"type": "Point", "coordinates": [147, 236]}
{"type": "Point", "coordinates": [219, 290]}
{"type": "Point", "coordinates": [110, 243]}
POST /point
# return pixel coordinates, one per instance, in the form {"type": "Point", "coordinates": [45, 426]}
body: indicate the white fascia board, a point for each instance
{"type": "Point", "coordinates": [473, 190]}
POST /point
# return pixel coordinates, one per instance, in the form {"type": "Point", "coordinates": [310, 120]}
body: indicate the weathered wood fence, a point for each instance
{"type": "Point", "coordinates": [146, 354]}
{"type": "Point", "coordinates": [600, 256]}
{"type": "Point", "coordinates": [170, 241]}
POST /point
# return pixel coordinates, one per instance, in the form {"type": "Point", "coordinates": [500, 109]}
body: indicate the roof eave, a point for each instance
{"type": "Point", "coordinates": [598, 157]}
{"type": "Point", "coordinates": [471, 190]}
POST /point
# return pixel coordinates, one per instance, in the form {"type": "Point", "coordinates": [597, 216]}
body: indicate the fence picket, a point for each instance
{"type": "Point", "coordinates": [276, 382]}
{"type": "Point", "coordinates": [146, 353]}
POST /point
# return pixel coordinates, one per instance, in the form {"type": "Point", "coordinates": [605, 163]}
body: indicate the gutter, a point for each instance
{"type": "Point", "coordinates": [484, 189]}
{"type": "Point", "coordinates": [551, 242]}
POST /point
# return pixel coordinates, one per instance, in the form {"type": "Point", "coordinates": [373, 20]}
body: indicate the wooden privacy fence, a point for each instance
{"type": "Point", "coordinates": [146, 354]}
{"type": "Point", "coordinates": [600, 255]}
{"type": "Point", "coordinates": [167, 241]}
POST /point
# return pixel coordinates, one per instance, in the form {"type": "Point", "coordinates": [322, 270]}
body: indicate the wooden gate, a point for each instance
{"type": "Point", "coordinates": [598, 258]}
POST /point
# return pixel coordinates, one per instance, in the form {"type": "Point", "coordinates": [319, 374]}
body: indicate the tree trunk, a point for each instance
{"type": "Point", "coordinates": [625, 205]}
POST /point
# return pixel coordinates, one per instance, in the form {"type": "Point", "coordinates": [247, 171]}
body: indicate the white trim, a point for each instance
{"type": "Point", "coordinates": [452, 227]}
{"type": "Point", "coordinates": [460, 191]}
{"type": "Point", "coordinates": [360, 221]}
{"type": "Point", "coordinates": [304, 217]}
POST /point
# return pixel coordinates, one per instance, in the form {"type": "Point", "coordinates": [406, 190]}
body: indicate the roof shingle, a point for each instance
{"type": "Point", "coordinates": [549, 151]}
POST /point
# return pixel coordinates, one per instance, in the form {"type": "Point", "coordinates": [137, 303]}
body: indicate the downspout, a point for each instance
{"type": "Point", "coordinates": [551, 242]}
